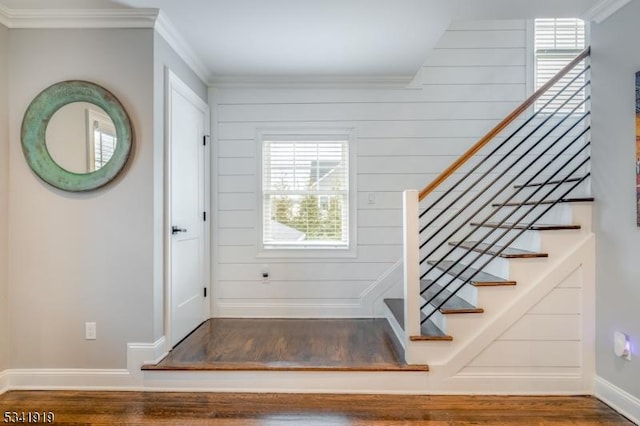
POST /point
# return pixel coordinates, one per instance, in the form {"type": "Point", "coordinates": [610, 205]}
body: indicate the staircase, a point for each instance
{"type": "Point", "coordinates": [497, 223]}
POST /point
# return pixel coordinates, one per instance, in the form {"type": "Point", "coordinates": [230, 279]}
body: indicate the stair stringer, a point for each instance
{"type": "Point", "coordinates": [446, 360]}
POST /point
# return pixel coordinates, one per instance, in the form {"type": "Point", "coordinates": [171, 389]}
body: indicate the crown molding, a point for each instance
{"type": "Point", "coordinates": [105, 18]}
{"type": "Point", "coordinates": [4, 16]}
{"type": "Point", "coordinates": [312, 81]}
{"type": "Point", "coordinates": [165, 28]}
{"type": "Point", "coordinates": [603, 9]}
{"type": "Point", "coordinates": [78, 18]}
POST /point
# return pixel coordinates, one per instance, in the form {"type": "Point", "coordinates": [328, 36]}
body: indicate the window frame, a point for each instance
{"type": "Point", "coordinates": [532, 62]}
{"type": "Point", "coordinates": [308, 251]}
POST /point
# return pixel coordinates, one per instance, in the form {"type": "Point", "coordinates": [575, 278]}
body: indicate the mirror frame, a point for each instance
{"type": "Point", "coordinates": [34, 126]}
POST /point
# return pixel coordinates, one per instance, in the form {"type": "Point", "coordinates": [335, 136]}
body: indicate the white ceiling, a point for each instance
{"type": "Point", "coordinates": [348, 38]}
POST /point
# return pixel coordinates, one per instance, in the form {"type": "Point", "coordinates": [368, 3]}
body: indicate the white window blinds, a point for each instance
{"type": "Point", "coordinates": [305, 186]}
{"type": "Point", "coordinates": [102, 139]}
{"type": "Point", "coordinates": [557, 42]}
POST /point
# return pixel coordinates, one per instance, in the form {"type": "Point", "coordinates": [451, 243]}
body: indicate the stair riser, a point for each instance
{"type": "Point", "coordinates": [496, 266]}
{"type": "Point", "coordinates": [468, 292]}
{"type": "Point", "coordinates": [528, 240]}
{"type": "Point", "coordinates": [559, 213]}
{"type": "Point", "coordinates": [437, 318]}
{"type": "Point", "coordinates": [582, 190]}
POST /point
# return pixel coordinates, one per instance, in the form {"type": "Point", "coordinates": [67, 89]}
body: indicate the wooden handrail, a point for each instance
{"type": "Point", "coordinates": [500, 126]}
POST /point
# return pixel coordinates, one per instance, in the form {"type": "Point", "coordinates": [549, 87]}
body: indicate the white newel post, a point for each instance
{"type": "Point", "coordinates": [411, 269]}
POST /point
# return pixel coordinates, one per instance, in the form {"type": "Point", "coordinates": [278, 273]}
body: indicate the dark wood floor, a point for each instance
{"type": "Point", "coordinates": [289, 344]}
{"type": "Point", "coordinates": [154, 408]}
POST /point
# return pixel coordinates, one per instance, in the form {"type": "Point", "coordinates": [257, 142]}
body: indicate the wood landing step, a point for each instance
{"type": "Point", "coordinates": [532, 203]}
{"type": "Point", "coordinates": [507, 253]}
{"type": "Point", "coordinates": [428, 330]}
{"type": "Point", "coordinates": [481, 279]}
{"type": "Point", "coordinates": [534, 227]}
{"type": "Point", "coordinates": [278, 344]}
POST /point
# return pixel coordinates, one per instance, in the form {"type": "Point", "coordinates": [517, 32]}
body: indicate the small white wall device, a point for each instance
{"type": "Point", "coordinates": [621, 345]}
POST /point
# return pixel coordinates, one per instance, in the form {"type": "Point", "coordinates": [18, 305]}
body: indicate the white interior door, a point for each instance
{"type": "Point", "coordinates": [188, 119]}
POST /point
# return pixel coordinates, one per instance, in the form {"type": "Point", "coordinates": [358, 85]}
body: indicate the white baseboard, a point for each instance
{"type": "Point", "coordinates": [4, 381]}
{"type": "Point", "coordinates": [291, 310]}
{"type": "Point", "coordinates": [619, 399]}
{"type": "Point", "coordinates": [71, 378]}
{"type": "Point", "coordinates": [518, 384]}
{"type": "Point", "coordinates": [130, 378]}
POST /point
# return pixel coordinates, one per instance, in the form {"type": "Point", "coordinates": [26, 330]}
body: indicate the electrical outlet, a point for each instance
{"type": "Point", "coordinates": [90, 331]}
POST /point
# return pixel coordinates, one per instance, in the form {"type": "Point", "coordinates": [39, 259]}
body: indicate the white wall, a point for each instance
{"type": "Point", "coordinates": [164, 58]}
{"type": "Point", "coordinates": [81, 257]}
{"type": "Point", "coordinates": [615, 60]}
{"type": "Point", "coordinates": [405, 137]}
{"type": "Point", "coordinates": [4, 195]}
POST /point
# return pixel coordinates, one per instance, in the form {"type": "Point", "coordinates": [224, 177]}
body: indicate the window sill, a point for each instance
{"type": "Point", "coordinates": [307, 253]}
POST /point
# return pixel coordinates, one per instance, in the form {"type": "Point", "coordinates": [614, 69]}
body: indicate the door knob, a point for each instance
{"type": "Point", "coordinates": [175, 230]}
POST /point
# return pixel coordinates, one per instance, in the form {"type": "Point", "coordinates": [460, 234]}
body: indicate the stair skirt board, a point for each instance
{"type": "Point", "coordinates": [484, 330]}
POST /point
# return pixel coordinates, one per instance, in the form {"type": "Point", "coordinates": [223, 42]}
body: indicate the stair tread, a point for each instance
{"type": "Point", "coordinates": [531, 203]}
{"type": "Point", "coordinates": [428, 330]}
{"type": "Point", "coordinates": [553, 182]}
{"type": "Point", "coordinates": [507, 253]}
{"type": "Point", "coordinates": [534, 227]}
{"type": "Point", "coordinates": [480, 279]}
{"type": "Point", "coordinates": [455, 304]}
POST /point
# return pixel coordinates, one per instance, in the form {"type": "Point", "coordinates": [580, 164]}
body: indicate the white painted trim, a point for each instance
{"type": "Point", "coordinates": [411, 272]}
{"type": "Point", "coordinates": [530, 59]}
{"type": "Point", "coordinates": [619, 399]}
{"type": "Point", "coordinates": [339, 382]}
{"type": "Point", "coordinates": [603, 9]}
{"type": "Point", "coordinates": [434, 382]}
{"type": "Point", "coordinates": [312, 134]}
{"type": "Point", "coordinates": [397, 330]}
{"type": "Point", "coordinates": [168, 32]}
{"type": "Point", "coordinates": [4, 381]}
{"type": "Point", "coordinates": [130, 378]}
{"type": "Point", "coordinates": [78, 18]}
{"type": "Point", "coordinates": [391, 383]}
{"type": "Point", "coordinates": [313, 81]}
{"type": "Point", "coordinates": [213, 204]}
{"type": "Point", "coordinates": [516, 384]}
{"type": "Point", "coordinates": [71, 378]}
{"type": "Point", "coordinates": [372, 296]}
{"type": "Point", "coordinates": [106, 18]}
{"type": "Point", "coordinates": [147, 353]}
{"type": "Point", "coordinates": [280, 309]}
{"type": "Point", "coordinates": [582, 254]}
{"type": "Point", "coordinates": [4, 16]}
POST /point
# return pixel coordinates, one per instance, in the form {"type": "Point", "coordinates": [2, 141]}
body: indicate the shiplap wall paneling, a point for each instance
{"type": "Point", "coordinates": [405, 138]}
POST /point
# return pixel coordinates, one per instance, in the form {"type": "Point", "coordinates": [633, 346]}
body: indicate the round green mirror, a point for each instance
{"type": "Point", "coordinates": [76, 136]}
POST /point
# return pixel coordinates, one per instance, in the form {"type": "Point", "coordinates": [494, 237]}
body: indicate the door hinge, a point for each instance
{"type": "Point", "coordinates": [204, 140]}
{"type": "Point", "coordinates": [205, 292]}
{"type": "Point", "coordinates": [204, 216]}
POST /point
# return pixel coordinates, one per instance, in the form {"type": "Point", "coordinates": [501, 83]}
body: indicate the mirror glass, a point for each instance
{"type": "Point", "coordinates": [81, 137]}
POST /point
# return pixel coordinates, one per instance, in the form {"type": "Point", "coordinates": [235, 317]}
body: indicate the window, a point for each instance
{"type": "Point", "coordinates": [557, 42]}
{"type": "Point", "coordinates": [306, 197]}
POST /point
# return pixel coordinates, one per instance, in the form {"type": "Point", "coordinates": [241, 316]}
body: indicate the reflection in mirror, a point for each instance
{"type": "Point", "coordinates": [81, 137]}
